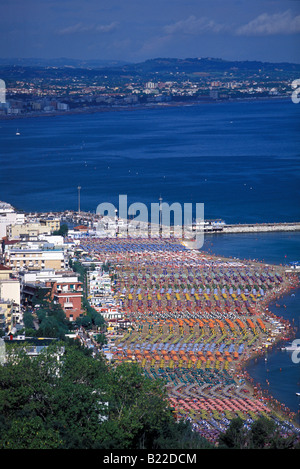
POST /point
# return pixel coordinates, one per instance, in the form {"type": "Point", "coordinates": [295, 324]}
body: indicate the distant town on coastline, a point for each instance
{"type": "Point", "coordinates": [38, 86]}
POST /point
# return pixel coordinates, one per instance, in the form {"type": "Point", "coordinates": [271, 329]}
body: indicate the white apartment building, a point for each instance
{"type": "Point", "coordinates": [8, 216]}
{"type": "Point", "coordinates": [34, 256]}
{"type": "Point", "coordinates": [100, 288]}
{"type": "Point", "coordinates": [32, 230]}
{"type": "Point", "coordinates": [9, 286]}
{"type": "Point", "coordinates": [47, 275]}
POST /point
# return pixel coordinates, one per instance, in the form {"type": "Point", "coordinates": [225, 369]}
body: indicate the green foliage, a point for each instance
{"type": "Point", "coordinates": [40, 296]}
{"type": "Point", "coordinates": [63, 231]}
{"type": "Point", "coordinates": [32, 433]}
{"type": "Point", "coordinates": [74, 401]}
{"type": "Point", "coordinates": [235, 436]}
{"type": "Point", "coordinates": [101, 339]}
{"type": "Point", "coordinates": [51, 318]}
{"type": "Point", "coordinates": [92, 317]}
{"type": "Point", "coordinates": [58, 396]}
{"type": "Point", "coordinates": [28, 320]}
{"type": "Point", "coordinates": [263, 434]}
{"type": "Point", "coordinates": [52, 321]}
{"type": "Point", "coordinates": [80, 269]}
{"type": "Point", "coordinates": [66, 399]}
{"type": "Point", "coordinates": [262, 431]}
{"type": "Point", "coordinates": [181, 436]}
{"type": "Point", "coordinates": [139, 414]}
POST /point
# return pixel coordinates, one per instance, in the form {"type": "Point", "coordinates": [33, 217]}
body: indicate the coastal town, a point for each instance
{"type": "Point", "coordinates": [35, 90]}
{"type": "Point", "coordinates": [188, 317]}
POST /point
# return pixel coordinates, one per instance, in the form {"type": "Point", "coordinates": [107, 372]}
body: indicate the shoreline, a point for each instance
{"type": "Point", "coordinates": [141, 107]}
{"type": "Point", "coordinates": [257, 352]}
{"type": "Point", "coordinates": [237, 370]}
{"type": "Point", "coordinates": [288, 334]}
{"type": "Point", "coordinates": [241, 371]}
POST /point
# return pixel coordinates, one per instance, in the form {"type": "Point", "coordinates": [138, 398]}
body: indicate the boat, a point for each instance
{"type": "Point", "coordinates": [17, 132]}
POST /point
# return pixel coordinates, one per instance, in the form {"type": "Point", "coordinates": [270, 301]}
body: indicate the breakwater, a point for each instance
{"type": "Point", "coordinates": [258, 228]}
{"type": "Point", "coordinates": [89, 219]}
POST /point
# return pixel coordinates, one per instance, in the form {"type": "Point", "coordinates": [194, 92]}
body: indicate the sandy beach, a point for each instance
{"type": "Point", "coordinates": [195, 320]}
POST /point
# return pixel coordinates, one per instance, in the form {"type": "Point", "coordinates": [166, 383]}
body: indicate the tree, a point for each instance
{"type": "Point", "coordinates": [234, 437]}
{"type": "Point", "coordinates": [84, 321]}
{"type": "Point", "coordinates": [63, 231]}
{"type": "Point", "coordinates": [263, 433]}
{"type": "Point", "coordinates": [136, 403]}
{"type": "Point", "coordinates": [31, 432]}
{"type": "Point", "coordinates": [139, 414]}
{"type": "Point", "coordinates": [41, 297]}
{"type": "Point", "coordinates": [65, 398]}
{"type": "Point", "coordinates": [92, 316]}
{"type": "Point", "coordinates": [101, 339]}
{"type": "Point", "coordinates": [49, 327]}
{"type": "Point", "coordinates": [28, 320]}
{"type": "Point", "coordinates": [181, 436]}
{"type": "Point", "coordinates": [52, 321]}
{"type": "Point", "coordinates": [54, 393]}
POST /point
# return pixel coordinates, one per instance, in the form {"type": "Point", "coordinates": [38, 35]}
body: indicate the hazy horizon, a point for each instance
{"type": "Point", "coordinates": [135, 31]}
{"type": "Point", "coordinates": [119, 62]}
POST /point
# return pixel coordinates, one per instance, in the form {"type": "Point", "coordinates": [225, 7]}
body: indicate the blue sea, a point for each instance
{"type": "Point", "coordinates": [279, 375]}
{"type": "Point", "coordinates": [240, 159]}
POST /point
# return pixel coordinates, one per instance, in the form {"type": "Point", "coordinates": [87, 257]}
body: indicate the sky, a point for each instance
{"type": "Point", "coordinates": [137, 30]}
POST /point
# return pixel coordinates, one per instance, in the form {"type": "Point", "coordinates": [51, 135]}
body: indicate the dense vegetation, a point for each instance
{"type": "Point", "coordinates": [262, 434]}
{"type": "Point", "coordinates": [74, 401]}
{"type": "Point", "coordinates": [66, 399]}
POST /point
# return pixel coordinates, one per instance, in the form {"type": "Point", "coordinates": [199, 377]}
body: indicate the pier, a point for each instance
{"type": "Point", "coordinates": [211, 227]}
{"type": "Point", "coordinates": [260, 227]}
{"type": "Point", "coordinates": [208, 226]}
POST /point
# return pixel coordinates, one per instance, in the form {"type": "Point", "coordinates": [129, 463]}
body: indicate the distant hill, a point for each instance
{"type": "Point", "coordinates": [160, 65]}
{"type": "Point", "coordinates": [60, 63]}
{"type": "Point", "coordinates": [159, 69]}
{"type": "Point", "coordinates": [194, 65]}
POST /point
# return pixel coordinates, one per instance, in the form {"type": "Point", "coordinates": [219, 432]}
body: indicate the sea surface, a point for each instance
{"type": "Point", "coordinates": [278, 373]}
{"type": "Point", "coordinates": [240, 159]}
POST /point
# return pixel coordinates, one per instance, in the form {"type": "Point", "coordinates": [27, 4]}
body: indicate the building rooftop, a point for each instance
{"type": "Point", "coordinates": [4, 206]}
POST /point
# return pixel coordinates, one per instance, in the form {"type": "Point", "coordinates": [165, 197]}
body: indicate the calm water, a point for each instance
{"type": "Point", "coordinates": [279, 370]}
{"type": "Point", "coordinates": [273, 248]}
{"type": "Point", "coordinates": [240, 159]}
{"type": "Point", "coordinates": [282, 374]}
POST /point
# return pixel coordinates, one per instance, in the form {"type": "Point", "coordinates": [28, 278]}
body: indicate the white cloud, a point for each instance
{"type": "Point", "coordinates": [107, 28]}
{"type": "Point", "coordinates": [263, 25]}
{"type": "Point", "coordinates": [75, 28]}
{"type": "Point", "coordinates": [81, 28]}
{"type": "Point", "coordinates": [266, 25]}
{"type": "Point", "coordinates": [194, 26]}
